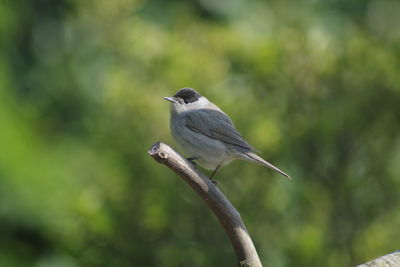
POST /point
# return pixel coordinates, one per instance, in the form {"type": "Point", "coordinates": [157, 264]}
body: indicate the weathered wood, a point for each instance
{"type": "Point", "coordinates": [389, 260]}
{"type": "Point", "coordinates": [226, 213]}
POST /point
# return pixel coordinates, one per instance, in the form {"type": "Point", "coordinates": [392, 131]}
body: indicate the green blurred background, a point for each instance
{"type": "Point", "coordinates": [81, 87]}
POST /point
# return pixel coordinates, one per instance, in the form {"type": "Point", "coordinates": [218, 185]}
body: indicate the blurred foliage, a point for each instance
{"type": "Point", "coordinates": [314, 85]}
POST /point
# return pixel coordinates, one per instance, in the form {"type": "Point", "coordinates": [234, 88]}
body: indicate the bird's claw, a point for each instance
{"type": "Point", "coordinates": [192, 160]}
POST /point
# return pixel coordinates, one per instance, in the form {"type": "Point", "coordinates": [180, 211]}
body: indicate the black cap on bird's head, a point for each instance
{"type": "Point", "coordinates": [184, 96]}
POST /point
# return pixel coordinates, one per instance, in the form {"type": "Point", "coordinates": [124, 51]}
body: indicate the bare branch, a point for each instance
{"type": "Point", "coordinates": [389, 260]}
{"type": "Point", "coordinates": [226, 213]}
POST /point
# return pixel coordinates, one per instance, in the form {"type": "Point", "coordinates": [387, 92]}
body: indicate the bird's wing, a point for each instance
{"type": "Point", "coordinates": [215, 124]}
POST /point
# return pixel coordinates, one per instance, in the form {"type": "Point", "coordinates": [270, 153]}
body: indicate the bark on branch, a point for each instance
{"type": "Point", "coordinates": [389, 260]}
{"type": "Point", "coordinates": [226, 213]}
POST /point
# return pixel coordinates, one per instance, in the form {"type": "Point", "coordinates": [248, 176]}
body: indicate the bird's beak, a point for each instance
{"type": "Point", "coordinates": [171, 99]}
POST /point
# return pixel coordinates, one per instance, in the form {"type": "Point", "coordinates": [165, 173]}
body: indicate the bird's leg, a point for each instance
{"type": "Point", "coordinates": [192, 160]}
{"type": "Point", "coordinates": [213, 173]}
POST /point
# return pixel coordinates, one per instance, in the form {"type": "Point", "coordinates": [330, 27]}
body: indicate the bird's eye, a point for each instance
{"type": "Point", "coordinates": [186, 101]}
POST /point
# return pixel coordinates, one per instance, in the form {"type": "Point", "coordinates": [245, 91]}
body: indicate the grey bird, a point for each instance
{"type": "Point", "coordinates": [207, 134]}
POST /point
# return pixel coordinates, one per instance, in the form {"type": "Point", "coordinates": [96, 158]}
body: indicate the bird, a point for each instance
{"type": "Point", "coordinates": [207, 134]}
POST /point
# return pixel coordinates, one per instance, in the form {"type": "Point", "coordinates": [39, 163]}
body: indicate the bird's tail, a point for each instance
{"type": "Point", "coordinates": [255, 158]}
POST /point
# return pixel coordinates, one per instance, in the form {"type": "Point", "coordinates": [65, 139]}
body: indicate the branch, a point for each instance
{"type": "Point", "coordinates": [226, 213]}
{"type": "Point", "coordinates": [389, 260]}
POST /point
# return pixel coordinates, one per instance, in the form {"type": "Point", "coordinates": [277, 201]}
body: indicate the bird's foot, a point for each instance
{"type": "Point", "coordinates": [213, 181]}
{"type": "Point", "coordinates": [213, 173]}
{"type": "Point", "coordinates": [192, 160]}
